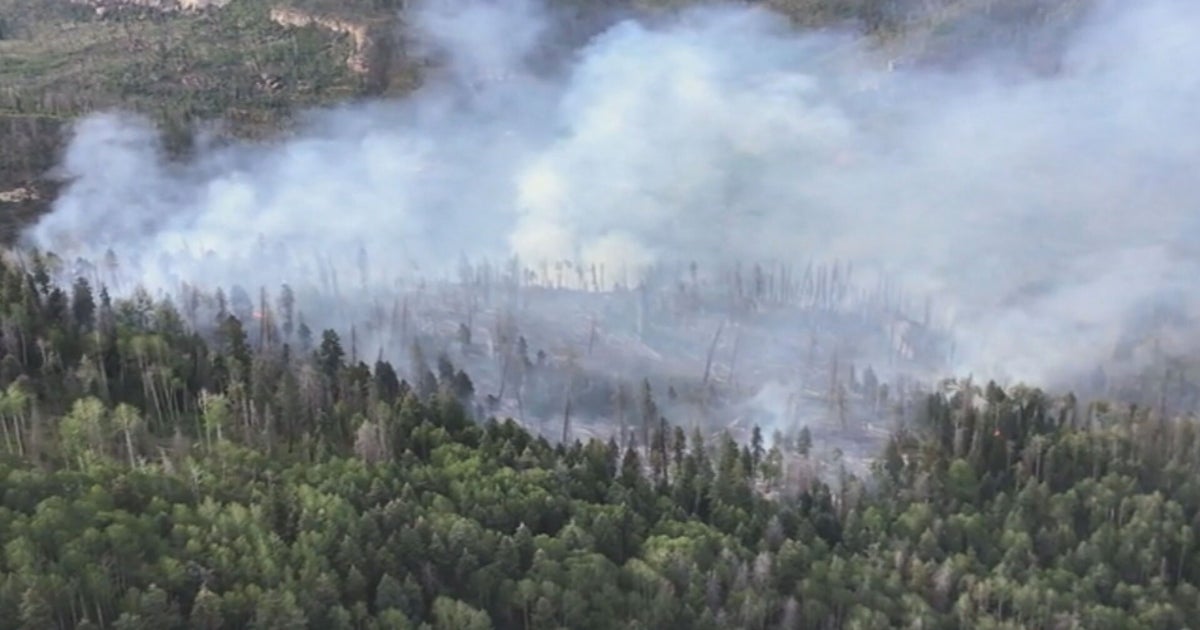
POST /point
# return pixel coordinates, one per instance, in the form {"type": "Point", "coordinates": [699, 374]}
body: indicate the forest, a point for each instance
{"type": "Point", "coordinates": [158, 478]}
{"type": "Point", "coordinates": [263, 459]}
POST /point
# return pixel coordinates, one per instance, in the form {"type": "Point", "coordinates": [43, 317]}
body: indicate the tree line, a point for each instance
{"type": "Point", "coordinates": [156, 475]}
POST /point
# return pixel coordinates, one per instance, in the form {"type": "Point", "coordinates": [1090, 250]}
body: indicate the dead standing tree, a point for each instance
{"type": "Point", "coordinates": [712, 349]}
{"type": "Point", "coordinates": [505, 334]}
{"type": "Point", "coordinates": [620, 400]}
{"type": "Point", "coordinates": [572, 370]}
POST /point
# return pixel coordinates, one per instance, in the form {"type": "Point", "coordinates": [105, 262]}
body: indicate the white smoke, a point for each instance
{"type": "Point", "coordinates": [1040, 211]}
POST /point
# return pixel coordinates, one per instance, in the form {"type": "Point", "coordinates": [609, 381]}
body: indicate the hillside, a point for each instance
{"type": "Point", "coordinates": [59, 60]}
{"type": "Point", "coordinates": [252, 64]}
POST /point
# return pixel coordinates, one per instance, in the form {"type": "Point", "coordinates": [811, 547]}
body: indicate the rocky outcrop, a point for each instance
{"type": "Point", "coordinates": [105, 6]}
{"type": "Point", "coordinates": [371, 38]}
{"type": "Point", "coordinates": [23, 194]}
{"type": "Point", "coordinates": [198, 5]}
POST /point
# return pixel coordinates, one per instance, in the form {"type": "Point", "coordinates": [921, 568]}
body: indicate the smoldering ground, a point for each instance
{"type": "Point", "coordinates": [1040, 212]}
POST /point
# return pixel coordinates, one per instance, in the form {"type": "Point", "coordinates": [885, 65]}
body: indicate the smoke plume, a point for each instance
{"type": "Point", "coordinates": [1041, 212]}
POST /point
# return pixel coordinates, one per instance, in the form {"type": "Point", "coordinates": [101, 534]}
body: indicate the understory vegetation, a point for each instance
{"type": "Point", "coordinates": [266, 478]}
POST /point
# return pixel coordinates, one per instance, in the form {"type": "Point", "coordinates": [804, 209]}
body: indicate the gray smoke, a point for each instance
{"type": "Point", "coordinates": [1040, 212]}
